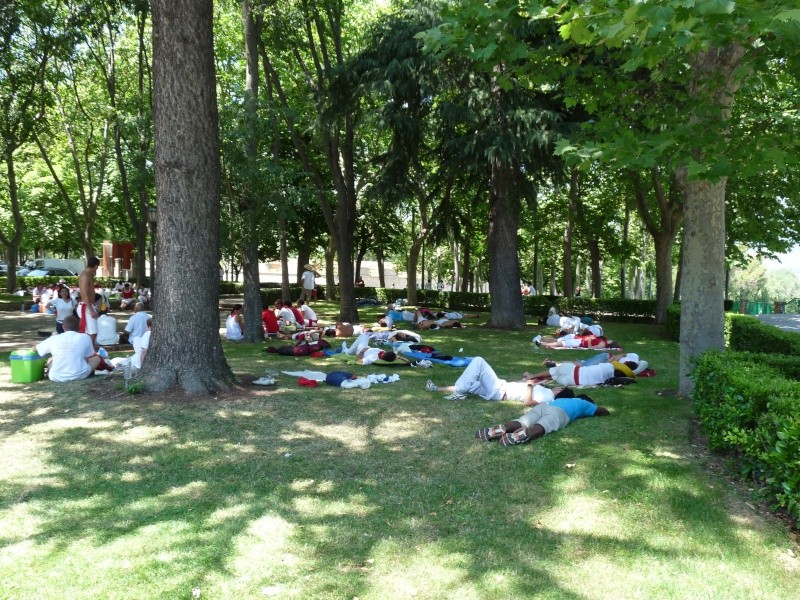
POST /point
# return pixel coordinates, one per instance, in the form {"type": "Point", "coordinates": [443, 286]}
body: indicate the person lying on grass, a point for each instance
{"type": "Point", "coordinates": [570, 373]}
{"type": "Point", "coordinates": [605, 357]}
{"type": "Point", "coordinates": [543, 419]}
{"type": "Point", "coordinates": [424, 318]}
{"type": "Point", "coordinates": [574, 340]}
{"type": "Point", "coordinates": [480, 379]}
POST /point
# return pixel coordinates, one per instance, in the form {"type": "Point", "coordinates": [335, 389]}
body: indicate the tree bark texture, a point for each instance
{"type": "Point", "coordinates": [248, 204]}
{"type": "Point", "coordinates": [185, 348]}
{"type": "Point", "coordinates": [703, 278]}
{"type": "Point", "coordinates": [662, 219]}
{"type": "Point", "coordinates": [507, 310]}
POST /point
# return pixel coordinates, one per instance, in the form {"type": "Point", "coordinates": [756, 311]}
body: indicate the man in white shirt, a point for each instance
{"type": "Point", "coordinates": [233, 325]}
{"type": "Point", "coordinates": [137, 325]}
{"type": "Point", "coordinates": [285, 314]}
{"type": "Point", "coordinates": [307, 280]}
{"type": "Point", "coordinates": [73, 355]}
{"type": "Point", "coordinates": [310, 317]}
{"type": "Point", "coordinates": [140, 346]}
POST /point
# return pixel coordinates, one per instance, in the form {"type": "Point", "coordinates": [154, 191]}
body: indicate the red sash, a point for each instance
{"type": "Point", "coordinates": [575, 374]}
{"type": "Point", "coordinates": [82, 326]}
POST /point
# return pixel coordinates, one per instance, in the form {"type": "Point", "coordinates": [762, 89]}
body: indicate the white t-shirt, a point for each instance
{"type": "Point", "coordinates": [63, 308]}
{"type": "Point", "coordinates": [137, 325]}
{"type": "Point", "coordinates": [233, 331]}
{"type": "Point", "coordinates": [139, 344]}
{"type": "Point", "coordinates": [371, 355]}
{"type": "Point", "coordinates": [287, 315]}
{"type": "Point", "coordinates": [308, 312]}
{"type": "Point", "coordinates": [592, 375]}
{"type": "Point", "coordinates": [47, 296]}
{"type": "Point", "coordinates": [107, 331]}
{"type": "Point", "coordinates": [70, 351]}
{"type": "Point", "coordinates": [308, 280]}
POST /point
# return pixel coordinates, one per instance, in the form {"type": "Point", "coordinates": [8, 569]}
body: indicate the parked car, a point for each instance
{"type": "Point", "coordinates": [51, 273]}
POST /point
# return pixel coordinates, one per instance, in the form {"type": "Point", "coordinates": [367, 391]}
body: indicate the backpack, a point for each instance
{"type": "Point", "coordinates": [337, 377]}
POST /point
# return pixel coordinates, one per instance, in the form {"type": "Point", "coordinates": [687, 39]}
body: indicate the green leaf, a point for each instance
{"type": "Point", "coordinates": [788, 15]}
{"type": "Point", "coordinates": [716, 7]}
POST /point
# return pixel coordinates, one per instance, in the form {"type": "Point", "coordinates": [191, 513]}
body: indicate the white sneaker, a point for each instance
{"type": "Point", "coordinates": [431, 387]}
{"type": "Point", "coordinates": [537, 340]}
{"type": "Point", "coordinates": [456, 397]}
{"type": "Point", "coordinates": [423, 364]}
{"type": "Point", "coordinates": [265, 381]}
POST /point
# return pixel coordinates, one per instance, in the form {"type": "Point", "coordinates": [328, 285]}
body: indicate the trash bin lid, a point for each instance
{"type": "Point", "coordinates": [27, 354]}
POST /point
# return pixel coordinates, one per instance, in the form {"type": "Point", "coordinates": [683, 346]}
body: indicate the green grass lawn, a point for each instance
{"type": "Point", "coordinates": [379, 493]}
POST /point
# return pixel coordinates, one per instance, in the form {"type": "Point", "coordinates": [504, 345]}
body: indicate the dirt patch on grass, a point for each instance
{"type": "Point", "coordinates": [112, 388]}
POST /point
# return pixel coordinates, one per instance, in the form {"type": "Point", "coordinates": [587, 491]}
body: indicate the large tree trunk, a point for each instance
{"type": "Point", "coordinates": [662, 221]}
{"type": "Point", "coordinates": [507, 310]}
{"type": "Point", "coordinates": [13, 241]}
{"type": "Point", "coordinates": [185, 349]}
{"type": "Point", "coordinates": [703, 285]}
{"type": "Point", "coordinates": [253, 328]}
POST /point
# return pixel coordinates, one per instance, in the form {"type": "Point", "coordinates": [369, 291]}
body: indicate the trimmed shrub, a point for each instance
{"type": "Point", "coordinates": [749, 334]}
{"type": "Point", "coordinates": [749, 405]}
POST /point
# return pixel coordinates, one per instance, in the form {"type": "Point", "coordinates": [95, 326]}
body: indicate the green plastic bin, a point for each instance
{"type": "Point", "coordinates": [26, 366]}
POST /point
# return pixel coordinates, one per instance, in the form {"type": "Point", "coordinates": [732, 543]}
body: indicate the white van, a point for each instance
{"type": "Point", "coordinates": [73, 264]}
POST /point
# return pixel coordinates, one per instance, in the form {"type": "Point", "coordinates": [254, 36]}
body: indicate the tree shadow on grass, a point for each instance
{"type": "Point", "coordinates": [334, 479]}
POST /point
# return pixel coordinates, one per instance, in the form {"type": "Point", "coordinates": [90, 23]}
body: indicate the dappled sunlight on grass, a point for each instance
{"type": "Point", "coordinates": [330, 493]}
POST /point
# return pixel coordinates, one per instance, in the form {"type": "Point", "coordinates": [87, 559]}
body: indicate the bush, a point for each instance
{"type": "Point", "coordinates": [749, 334]}
{"type": "Point", "coordinates": [632, 311]}
{"type": "Point", "coordinates": [749, 405]}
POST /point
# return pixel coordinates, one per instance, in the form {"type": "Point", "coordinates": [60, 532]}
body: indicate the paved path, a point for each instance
{"type": "Point", "coordinates": [786, 322]}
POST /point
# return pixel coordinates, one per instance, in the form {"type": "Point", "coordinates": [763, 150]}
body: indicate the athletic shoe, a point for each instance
{"type": "Point", "coordinates": [488, 434]}
{"type": "Point", "coordinates": [520, 436]}
{"type": "Point", "coordinates": [549, 363]}
{"type": "Point", "coordinates": [424, 363]}
{"type": "Point", "coordinates": [265, 381]}
{"type": "Point", "coordinates": [431, 387]}
{"type": "Point", "coordinates": [456, 397]}
{"type": "Point", "coordinates": [537, 340]}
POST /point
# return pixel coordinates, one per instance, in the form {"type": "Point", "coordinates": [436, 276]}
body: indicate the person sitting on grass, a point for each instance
{"type": "Point", "coordinates": [480, 379]}
{"type": "Point", "coordinates": [234, 323]}
{"type": "Point", "coordinates": [309, 316]}
{"type": "Point", "coordinates": [298, 315]}
{"type": "Point", "coordinates": [271, 326]}
{"type": "Point", "coordinates": [72, 354]}
{"type": "Point", "coordinates": [541, 420]}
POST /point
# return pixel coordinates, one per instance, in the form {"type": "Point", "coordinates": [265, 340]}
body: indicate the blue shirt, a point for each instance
{"type": "Point", "coordinates": [575, 408]}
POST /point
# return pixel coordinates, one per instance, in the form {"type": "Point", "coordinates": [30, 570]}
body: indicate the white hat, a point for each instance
{"type": "Point", "coordinates": [542, 394]}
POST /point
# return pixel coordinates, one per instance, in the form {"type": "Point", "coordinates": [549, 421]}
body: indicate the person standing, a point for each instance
{"type": "Point", "coordinates": [87, 311]}
{"type": "Point", "coordinates": [307, 279]}
{"type": "Point", "coordinates": [64, 306]}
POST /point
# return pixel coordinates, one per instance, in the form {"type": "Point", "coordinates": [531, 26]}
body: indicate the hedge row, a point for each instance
{"type": "Point", "coordinates": [749, 334]}
{"type": "Point", "coordinates": [749, 404]}
{"type": "Point", "coordinates": [642, 311]}
{"type": "Point", "coordinates": [673, 324]}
